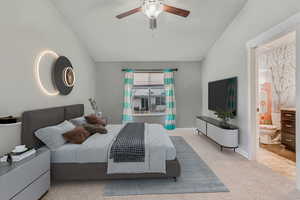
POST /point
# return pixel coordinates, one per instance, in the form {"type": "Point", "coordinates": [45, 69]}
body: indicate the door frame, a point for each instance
{"type": "Point", "coordinates": [290, 25]}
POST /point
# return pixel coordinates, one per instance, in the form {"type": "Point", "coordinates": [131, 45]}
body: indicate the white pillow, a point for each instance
{"type": "Point", "coordinates": [52, 135]}
{"type": "Point", "coordinates": [78, 121]}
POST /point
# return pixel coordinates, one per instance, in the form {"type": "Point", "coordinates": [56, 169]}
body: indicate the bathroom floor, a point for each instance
{"type": "Point", "coordinates": [280, 150]}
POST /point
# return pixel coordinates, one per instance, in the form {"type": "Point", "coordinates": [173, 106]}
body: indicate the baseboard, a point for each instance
{"type": "Point", "coordinates": [242, 152]}
{"type": "Point", "coordinates": [188, 129]}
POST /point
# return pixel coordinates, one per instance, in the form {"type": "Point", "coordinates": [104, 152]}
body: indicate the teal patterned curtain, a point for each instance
{"type": "Point", "coordinates": [127, 104]}
{"type": "Point", "coordinates": [170, 121]}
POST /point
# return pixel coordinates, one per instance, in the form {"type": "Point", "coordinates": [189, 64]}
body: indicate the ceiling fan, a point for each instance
{"type": "Point", "coordinates": [152, 9]}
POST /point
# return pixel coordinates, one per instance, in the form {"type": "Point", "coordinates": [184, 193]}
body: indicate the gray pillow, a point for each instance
{"type": "Point", "coordinates": [79, 121]}
{"type": "Point", "coordinates": [52, 135]}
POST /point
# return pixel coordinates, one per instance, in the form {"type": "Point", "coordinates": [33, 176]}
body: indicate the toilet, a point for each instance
{"type": "Point", "coordinates": [268, 132]}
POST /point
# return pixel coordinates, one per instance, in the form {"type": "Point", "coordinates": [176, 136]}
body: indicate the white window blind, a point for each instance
{"type": "Point", "coordinates": [148, 93]}
{"type": "Point", "coordinates": [148, 79]}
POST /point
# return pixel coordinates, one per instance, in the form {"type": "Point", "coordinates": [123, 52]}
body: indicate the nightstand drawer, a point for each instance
{"type": "Point", "coordinates": [289, 140]}
{"type": "Point", "coordinates": [288, 126]}
{"type": "Point", "coordinates": [288, 115]}
{"type": "Point", "coordinates": [36, 189]}
{"type": "Point", "coordinates": [23, 173]}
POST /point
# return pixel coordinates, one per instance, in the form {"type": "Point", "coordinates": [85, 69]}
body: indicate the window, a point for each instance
{"type": "Point", "coordinates": [148, 93]}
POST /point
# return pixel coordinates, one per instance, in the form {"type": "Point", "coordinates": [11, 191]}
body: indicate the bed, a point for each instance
{"type": "Point", "coordinates": [79, 162]}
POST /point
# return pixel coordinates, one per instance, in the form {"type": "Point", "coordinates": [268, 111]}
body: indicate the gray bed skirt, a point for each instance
{"type": "Point", "coordinates": [97, 171]}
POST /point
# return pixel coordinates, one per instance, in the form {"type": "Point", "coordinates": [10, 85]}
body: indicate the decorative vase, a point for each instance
{"type": "Point", "coordinates": [98, 114]}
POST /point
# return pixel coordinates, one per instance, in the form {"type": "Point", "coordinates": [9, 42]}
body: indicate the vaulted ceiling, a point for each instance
{"type": "Point", "coordinates": [130, 39]}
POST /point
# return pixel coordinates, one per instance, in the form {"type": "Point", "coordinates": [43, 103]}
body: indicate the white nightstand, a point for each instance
{"type": "Point", "coordinates": [28, 179]}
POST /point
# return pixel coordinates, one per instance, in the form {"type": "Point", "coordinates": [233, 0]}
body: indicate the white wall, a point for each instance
{"type": "Point", "coordinates": [298, 108]}
{"type": "Point", "coordinates": [110, 89]}
{"type": "Point", "coordinates": [228, 56]}
{"type": "Point", "coordinates": [27, 27]}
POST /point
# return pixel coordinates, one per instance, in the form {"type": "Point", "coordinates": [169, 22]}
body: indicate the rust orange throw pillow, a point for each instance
{"type": "Point", "coordinates": [93, 119]}
{"type": "Point", "coordinates": [76, 136]}
{"type": "Point", "coordinates": [95, 128]}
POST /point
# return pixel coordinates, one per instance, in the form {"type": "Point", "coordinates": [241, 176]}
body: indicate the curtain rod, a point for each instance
{"type": "Point", "coordinates": [151, 70]}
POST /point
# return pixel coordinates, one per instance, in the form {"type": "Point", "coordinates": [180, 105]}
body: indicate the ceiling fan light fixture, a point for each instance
{"type": "Point", "coordinates": [152, 8]}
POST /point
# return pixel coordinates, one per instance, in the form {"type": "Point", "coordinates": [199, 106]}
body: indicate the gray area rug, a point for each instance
{"type": "Point", "coordinates": [196, 177]}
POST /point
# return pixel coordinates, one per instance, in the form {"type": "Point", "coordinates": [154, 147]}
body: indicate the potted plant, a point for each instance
{"type": "Point", "coordinates": [224, 116]}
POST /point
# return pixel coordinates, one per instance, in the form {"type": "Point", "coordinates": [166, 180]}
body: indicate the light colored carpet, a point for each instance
{"type": "Point", "coordinates": [246, 180]}
{"type": "Point", "coordinates": [195, 177]}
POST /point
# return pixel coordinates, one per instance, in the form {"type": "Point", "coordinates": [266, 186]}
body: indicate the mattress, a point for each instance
{"type": "Point", "coordinates": [95, 148]}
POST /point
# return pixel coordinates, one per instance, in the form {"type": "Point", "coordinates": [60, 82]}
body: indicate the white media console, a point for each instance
{"type": "Point", "coordinates": [225, 136]}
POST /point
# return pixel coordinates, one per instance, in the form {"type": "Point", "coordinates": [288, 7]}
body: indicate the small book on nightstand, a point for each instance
{"type": "Point", "coordinates": [16, 158]}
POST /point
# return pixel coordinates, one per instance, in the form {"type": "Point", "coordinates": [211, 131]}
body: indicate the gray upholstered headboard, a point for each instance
{"type": "Point", "coordinates": [36, 119]}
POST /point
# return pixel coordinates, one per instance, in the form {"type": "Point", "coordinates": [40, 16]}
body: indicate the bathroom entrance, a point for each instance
{"type": "Point", "coordinates": [276, 104]}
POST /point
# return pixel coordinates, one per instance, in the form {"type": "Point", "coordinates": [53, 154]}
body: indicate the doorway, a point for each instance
{"type": "Point", "coordinates": [276, 104]}
{"type": "Point", "coordinates": [290, 25]}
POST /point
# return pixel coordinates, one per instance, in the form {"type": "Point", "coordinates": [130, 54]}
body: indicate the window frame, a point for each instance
{"type": "Point", "coordinates": [149, 87]}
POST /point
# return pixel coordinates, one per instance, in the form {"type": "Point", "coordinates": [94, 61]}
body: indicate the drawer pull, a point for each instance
{"type": "Point", "coordinates": [288, 115]}
{"type": "Point", "coordinates": [288, 140]}
{"type": "Point", "coordinates": [288, 126]}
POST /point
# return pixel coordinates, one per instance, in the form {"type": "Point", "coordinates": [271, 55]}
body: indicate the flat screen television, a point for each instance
{"type": "Point", "coordinates": [222, 95]}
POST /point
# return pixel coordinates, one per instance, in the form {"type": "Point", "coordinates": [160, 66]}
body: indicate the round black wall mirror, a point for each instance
{"type": "Point", "coordinates": [63, 75]}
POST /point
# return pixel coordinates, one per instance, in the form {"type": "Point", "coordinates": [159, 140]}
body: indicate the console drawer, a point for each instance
{"type": "Point", "coordinates": [201, 126]}
{"type": "Point", "coordinates": [224, 137]}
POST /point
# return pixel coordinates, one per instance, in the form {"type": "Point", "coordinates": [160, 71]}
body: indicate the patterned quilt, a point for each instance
{"type": "Point", "coordinates": [129, 145]}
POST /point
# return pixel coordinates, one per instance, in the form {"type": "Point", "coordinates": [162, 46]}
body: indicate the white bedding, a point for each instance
{"type": "Point", "coordinates": [158, 149]}
{"type": "Point", "coordinates": [95, 148]}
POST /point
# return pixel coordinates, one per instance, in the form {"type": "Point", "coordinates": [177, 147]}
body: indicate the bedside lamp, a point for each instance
{"type": "Point", "coordinates": [10, 136]}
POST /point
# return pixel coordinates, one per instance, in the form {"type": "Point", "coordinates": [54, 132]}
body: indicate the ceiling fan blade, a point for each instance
{"type": "Point", "coordinates": [130, 12]}
{"type": "Point", "coordinates": [176, 11]}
